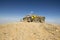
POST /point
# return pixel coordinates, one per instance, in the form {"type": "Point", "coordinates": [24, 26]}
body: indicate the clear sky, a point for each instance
{"type": "Point", "coordinates": [14, 10]}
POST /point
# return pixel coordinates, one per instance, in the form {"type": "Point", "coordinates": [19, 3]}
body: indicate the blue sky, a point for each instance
{"type": "Point", "coordinates": [14, 10]}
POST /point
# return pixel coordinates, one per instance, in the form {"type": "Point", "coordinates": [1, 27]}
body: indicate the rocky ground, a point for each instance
{"type": "Point", "coordinates": [29, 31]}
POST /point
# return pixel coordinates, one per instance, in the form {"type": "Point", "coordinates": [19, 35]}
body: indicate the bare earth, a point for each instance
{"type": "Point", "coordinates": [29, 31]}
